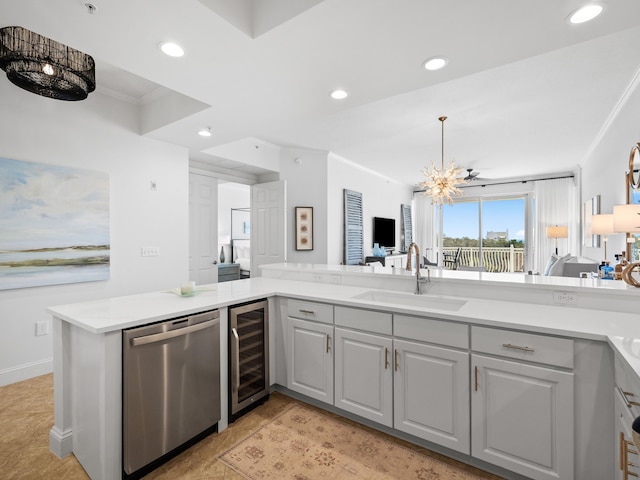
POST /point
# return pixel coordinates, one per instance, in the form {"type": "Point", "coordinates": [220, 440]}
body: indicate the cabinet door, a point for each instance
{"type": "Point", "coordinates": [364, 376]}
{"type": "Point", "coordinates": [431, 393]}
{"type": "Point", "coordinates": [626, 453]}
{"type": "Point", "coordinates": [310, 359]}
{"type": "Point", "coordinates": [522, 417]}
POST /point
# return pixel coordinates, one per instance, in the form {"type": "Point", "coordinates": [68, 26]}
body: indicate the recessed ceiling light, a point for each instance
{"type": "Point", "coordinates": [584, 14]}
{"type": "Point", "coordinates": [205, 132]}
{"type": "Point", "coordinates": [435, 63]}
{"type": "Point", "coordinates": [171, 49]}
{"type": "Point", "coordinates": [339, 94]}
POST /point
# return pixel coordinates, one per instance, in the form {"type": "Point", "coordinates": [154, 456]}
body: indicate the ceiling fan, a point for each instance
{"type": "Point", "coordinates": [471, 175]}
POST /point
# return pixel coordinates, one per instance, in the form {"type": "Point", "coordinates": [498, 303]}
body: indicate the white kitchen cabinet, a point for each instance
{"type": "Point", "coordinates": [431, 393]}
{"type": "Point", "coordinates": [626, 409]}
{"type": "Point", "coordinates": [364, 374]}
{"type": "Point", "coordinates": [310, 353]}
{"type": "Point", "coordinates": [628, 464]}
{"type": "Point", "coordinates": [522, 417]}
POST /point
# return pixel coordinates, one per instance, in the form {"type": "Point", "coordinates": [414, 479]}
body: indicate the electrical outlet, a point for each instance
{"type": "Point", "coordinates": [42, 328]}
{"type": "Point", "coordinates": [565, 298]}
{"type": "Point", "coordinates": [150, 251]}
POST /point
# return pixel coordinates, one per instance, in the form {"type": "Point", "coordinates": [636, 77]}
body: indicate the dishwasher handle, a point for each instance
{"type": "Point", "coordinates": [158, 337]}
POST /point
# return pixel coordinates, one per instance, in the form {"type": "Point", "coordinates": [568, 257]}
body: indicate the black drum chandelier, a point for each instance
{"type": "Point", "coordinates": [44, 66]}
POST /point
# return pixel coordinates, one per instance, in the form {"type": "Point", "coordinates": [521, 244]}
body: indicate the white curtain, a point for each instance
{"type": "Point", "coordinates": [424, 231]}
{"type": "Point", "coordinates": [556, 204]}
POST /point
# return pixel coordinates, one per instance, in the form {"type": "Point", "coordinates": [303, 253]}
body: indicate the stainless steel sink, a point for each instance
{"type": "Point", "coordinates": [412, 300]}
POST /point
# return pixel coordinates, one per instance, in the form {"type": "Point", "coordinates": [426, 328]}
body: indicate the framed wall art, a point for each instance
{"type": "Point", "coordinates": [304, 228]}
{"type": "Point", "coordinates": [590, 208]}
{"type": "Point", "coordinates": [54, 225]}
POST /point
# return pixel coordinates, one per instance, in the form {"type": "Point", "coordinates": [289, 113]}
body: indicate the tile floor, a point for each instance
{"type": "Point", "coordinates": [26, 416]}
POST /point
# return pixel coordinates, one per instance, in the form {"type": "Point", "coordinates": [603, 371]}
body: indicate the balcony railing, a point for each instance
{"type": "Point", "coordinates": [494, 259]}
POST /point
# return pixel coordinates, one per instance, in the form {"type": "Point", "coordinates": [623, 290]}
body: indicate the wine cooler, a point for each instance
{"type": "Point", "coordinates": [248, 356]}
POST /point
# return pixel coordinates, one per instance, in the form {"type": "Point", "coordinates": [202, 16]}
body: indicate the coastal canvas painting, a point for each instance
{"type": "Point", "coordinates": [54, 225]}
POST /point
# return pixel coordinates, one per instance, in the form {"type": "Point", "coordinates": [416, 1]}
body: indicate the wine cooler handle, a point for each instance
{"type": "Point", "coordinates": [236, 355]}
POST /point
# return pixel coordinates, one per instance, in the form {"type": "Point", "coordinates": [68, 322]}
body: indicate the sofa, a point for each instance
{"type": "Point", "coordinates": [569, 266]}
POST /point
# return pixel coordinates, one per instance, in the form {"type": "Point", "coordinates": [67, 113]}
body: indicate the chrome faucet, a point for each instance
{"type": "Point", "coordinates": [419, 279]}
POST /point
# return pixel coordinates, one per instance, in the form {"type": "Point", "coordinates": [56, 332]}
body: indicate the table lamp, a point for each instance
{"type": "Point", "coordinates": [557, 232]}
{"type": "Point", "coordinates": [603, 225]}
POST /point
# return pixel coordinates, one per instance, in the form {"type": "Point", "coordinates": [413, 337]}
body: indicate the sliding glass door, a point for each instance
{"type": "Point", "coordinates": [486, 233]}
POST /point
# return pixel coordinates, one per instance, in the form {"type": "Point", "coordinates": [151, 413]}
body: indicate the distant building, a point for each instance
{"type": "Point", "coordinates": [498, 235]}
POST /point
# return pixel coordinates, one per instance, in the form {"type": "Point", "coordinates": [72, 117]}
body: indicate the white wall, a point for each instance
{"type": "Point", "coordinates": [306, 174]}
{"type": "Point", "coordinates": [381, 197]}
{"type": "Point", "coordinates": [97, 134]}
{"type": "Point", "coordinates": [603, 173]}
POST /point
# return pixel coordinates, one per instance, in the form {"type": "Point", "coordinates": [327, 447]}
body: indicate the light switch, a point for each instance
{"type": "Point", "coordinates": [150, 251]}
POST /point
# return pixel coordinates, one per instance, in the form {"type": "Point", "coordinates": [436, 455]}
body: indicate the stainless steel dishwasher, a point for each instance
{"type": "Point", "coordinates": [171, 386]}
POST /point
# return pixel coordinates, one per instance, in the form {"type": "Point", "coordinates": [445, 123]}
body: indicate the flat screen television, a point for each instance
{"type": "Point", "coordinates": [384, 232]}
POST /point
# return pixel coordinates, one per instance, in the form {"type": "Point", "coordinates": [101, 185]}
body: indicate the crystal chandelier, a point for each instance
{"type": "Point", "coordinates": [442, 184]}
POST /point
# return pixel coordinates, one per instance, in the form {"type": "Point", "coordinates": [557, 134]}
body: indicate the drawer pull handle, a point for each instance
{"type": "Point", "coordinates": [386, 358]}
{"type": "Point", "coordinates": [308, 312]}
{"type": "Point", "coordinates": [518, 347]}
{"type": "Point", "coordinates": [626, 396]}
{"type": "Point", "coordinates": [621, 451]}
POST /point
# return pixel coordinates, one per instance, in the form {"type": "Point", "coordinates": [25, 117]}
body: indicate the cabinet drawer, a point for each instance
{"type": "Point", "coordinates": [319, 312]}
{"type": "Point", "coordinates": [523, 346]}
{"type": "Point", "coordinates": [432, 331]}
{"type": "Point", "coordinates": [374, 322]}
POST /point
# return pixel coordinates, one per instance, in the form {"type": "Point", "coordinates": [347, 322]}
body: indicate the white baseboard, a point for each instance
{"type": "Point", "coordinates": [25, 371]}
{"type": "Point", "coordinates": [60, 443]}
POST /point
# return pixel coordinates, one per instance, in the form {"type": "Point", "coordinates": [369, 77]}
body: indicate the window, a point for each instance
{"type": "Point", "coordinates": [486, 232]}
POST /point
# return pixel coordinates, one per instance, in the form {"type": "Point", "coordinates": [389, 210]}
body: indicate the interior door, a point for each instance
{"type": "Point", "coordinates": [203, 229]}
{"type": "Point", "coordinates": [268, 224]}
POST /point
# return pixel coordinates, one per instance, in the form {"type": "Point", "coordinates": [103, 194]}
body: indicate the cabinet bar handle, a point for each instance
{"type": "Point", "coordinates": [626, 399]}
{"type": "Point", "coordinates": [328, 340]}
{"type": "Point", "coordinates": [396, 359]}
{"type": "Point", "coordinates": [310, 312]}
{"type": "Point", "coordinates": [518, 347]}
{"type": "Point", "coordinates": [386, 358]}
{"type": "Point", "coordinates": [475, 375]}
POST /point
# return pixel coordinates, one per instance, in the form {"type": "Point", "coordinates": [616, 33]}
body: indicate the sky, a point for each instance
{"type": "Point", "coordinates": [461, 219]}
{"type": "Point", "coordinates": [51, 206]}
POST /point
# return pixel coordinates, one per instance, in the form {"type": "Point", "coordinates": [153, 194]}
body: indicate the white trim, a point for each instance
{"type": "Point", "coordinates": [222, 173]}
{"type": "Point", "coordinates": [622, 101]}
{"type": "Point", "coordinates": [60, 443]}
{"type": "Point", "coordinates": [26, 371]}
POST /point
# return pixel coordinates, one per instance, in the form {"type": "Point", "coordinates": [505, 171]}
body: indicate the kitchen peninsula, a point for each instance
{"type": "Point", "coordinates": [558, 340]}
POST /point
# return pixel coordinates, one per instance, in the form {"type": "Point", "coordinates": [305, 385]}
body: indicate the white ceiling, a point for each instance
{"type": "Point", "coordinates": [525, 92]}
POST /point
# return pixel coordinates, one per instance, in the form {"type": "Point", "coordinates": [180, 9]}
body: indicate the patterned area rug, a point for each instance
{"type": "Point", "coordinates": [301, 444]}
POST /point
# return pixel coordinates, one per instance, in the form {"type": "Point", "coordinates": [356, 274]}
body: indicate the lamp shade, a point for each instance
{"type": "Point", "coordinates": [602, 224]}
{"type": "Point", "coordinates": [626, 218]}
{"type": "Point", "coordinates": [558, 232]}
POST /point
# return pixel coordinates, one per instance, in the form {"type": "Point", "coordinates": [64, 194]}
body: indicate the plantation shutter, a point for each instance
{"type": "Point", "coordinates": [353, 240]}
{"type": "Point", "coordinates": [407, 236]}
